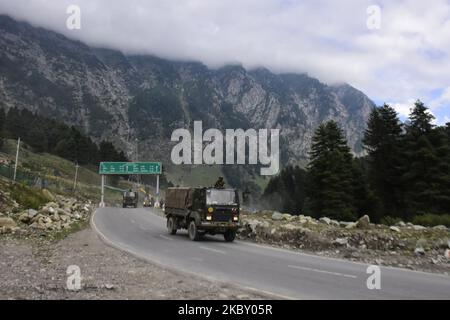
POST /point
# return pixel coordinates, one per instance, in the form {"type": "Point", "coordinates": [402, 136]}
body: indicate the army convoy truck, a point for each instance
{"type": "Point", "coordinates": [202, 211]}
{"type": "Point", "coordinates": [130, 199]}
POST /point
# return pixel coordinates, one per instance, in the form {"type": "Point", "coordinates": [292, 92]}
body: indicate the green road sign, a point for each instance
{"type": "Point", "coordinates": [130, 168]}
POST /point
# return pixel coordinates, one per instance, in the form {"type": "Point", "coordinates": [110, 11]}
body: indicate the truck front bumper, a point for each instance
{"type": "Point", "coordinates": [206, 225]}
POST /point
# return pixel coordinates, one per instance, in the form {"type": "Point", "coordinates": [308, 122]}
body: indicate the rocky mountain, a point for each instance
{"type": "Point", "coordinates": [124, 97]}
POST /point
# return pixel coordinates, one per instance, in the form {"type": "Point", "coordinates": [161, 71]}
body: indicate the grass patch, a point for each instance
{"type": "Point", "coordinates": [431, 220]}
{"type": "Point", "coordinates": [27, 197]}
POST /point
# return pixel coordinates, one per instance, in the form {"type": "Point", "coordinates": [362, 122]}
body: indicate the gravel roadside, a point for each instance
{"type": "Point", "coordinates": [32, 269]}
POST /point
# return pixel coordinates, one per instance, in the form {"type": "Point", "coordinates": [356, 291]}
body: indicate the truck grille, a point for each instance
{"type": "Point", "coordinates": [222, 216]}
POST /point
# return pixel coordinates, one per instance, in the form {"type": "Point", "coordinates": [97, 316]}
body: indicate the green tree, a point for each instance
{"type": "Point", "coordinates": [426, 178]}
{"type": "Point", "coordinates": [382, 141]}
{"type": "Point", "coordinates": [287, 191]}
{"type": "Point", "coordinates": [331, 174]}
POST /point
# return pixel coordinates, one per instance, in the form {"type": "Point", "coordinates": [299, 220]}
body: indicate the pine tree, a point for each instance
{"type": "Point", "coordinates": [427, 174]}
{"type": "Point", "coordinates": [382, 141]}
{"type": "Point", "coordinates": [421, 119]}
{"type": "Point", "coordinates": [287, 191]}
{"type": "Point", "coordinates": [331, 175]}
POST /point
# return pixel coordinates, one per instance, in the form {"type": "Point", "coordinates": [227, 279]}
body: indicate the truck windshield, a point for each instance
{"type": "Point", "coordinates": [129, 194]}
{"type": "Point", "coordinates": [227, 197]}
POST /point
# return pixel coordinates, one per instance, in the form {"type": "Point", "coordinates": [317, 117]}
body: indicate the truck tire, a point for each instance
{"type": "Point", "coordinates": [193, 231]}
{"type": "Point", "coordinates": [230, 235]}
{"type": "Point", "coordinates": [171, 225]}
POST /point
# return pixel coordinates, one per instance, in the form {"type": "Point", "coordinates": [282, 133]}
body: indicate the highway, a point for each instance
{"type": "Point", "coordinates": [282, 273]}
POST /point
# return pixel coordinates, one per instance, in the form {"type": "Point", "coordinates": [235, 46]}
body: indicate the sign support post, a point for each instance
{"type": "Point", "coordinates": [157, 189]}
{"type": "Point", "coordinates": [102, 201]}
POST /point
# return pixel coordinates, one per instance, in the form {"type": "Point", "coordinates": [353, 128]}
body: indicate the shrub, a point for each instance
{"type": "Point", "coordinates": [28, 197]}
{"type": "Point", "coordinates": [431, 220]}
{"type": "Point", "coordinates": [390, 221]}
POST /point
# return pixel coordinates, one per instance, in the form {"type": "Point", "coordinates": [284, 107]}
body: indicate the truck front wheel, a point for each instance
{"type": "Point", "coordinates": [193, 232]}
{"type": "Point", "coordinates": [171, 225]}
{"type": "Point", "coordinates": [230, 235]}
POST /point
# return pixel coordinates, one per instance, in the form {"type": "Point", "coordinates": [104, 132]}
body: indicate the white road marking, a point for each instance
{"type": "Point", "coordinates": [324, 271]}
{"type": "Point", "coordinates": [164, 237]}
{"type": "Point", "coordinates": [213, 250]}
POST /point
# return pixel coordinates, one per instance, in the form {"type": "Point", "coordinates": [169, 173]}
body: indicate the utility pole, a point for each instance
{"type": "Point", "coordinates": [17, 159]}
{"type": "Point", "coordinates": [76, 177]}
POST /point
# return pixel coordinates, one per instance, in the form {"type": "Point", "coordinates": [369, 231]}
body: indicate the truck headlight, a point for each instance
{"type": "Point", "coordinates": [209, 218]}
{"type": "Point", "coordinates": [235, 218]}
{"type": "Point", "coordinates": [210, 209]}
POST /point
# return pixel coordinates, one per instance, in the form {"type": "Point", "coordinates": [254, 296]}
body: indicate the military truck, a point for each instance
{"type": "Point", "coordinates": [130, 199]}
{"type": "Point", "coordinates": [202, 211]}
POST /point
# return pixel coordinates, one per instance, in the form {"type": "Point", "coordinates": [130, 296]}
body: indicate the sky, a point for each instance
{"type": "Point", "coordinates": [395, 51]}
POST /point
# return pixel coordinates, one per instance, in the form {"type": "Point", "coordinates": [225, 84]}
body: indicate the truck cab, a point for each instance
{"type": "Point", "coordinates": [203, 211]}
{"type": "Point", "coordinates": [130, 199]}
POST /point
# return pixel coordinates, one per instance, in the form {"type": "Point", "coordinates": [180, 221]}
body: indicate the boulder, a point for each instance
{"type": "Point", "coordinates": [48, 210]}
{"type": "Point", "coordinates": [351, 225]}
{"type": "Point", "coordinates": [440, 227]}
{"type": "Point", "coordinates": [277, 216]}
{"type": "Point", "coordinates": [400, 224]}
{"type": "Point", "coordinates": [55, 217]}
{"type": "Point", "coordinates": [447, 254]}
{"type": "Point", "coordinates": [32, 213]}
{"type": "Point", "coordinates": [7, 223]}
{"type": "Point", "coordinates": [395, 229]}
{"type": "Point", "coordinates": [63, 212]}
{"type": "Point", "coordinates": [24, 217]}
{"type": "Point", "coordinates": [334, 223]}
{"type": "Point", "coordinates": [341, 241]}
{"type": "Point", "coordinates": [418, 228]}
{"type": "Point", "coordinates": [302, 220]}
{"type": "Point", "coordinates": [325, 220]}
{"type": "Point", "coordinates": [287, 216]}
{"type": "Point", "coordinates": [419, 251]}
{"type": "Point", "coordinates": [253, 225]}
{"type": "Point", "coordinates": [363, 222]}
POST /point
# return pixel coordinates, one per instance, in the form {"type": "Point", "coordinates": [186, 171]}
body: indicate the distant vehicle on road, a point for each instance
{"type": "Point", "coordinates": [148, 202]}
{"type": "Point", "coordinates": [202, 211]}
{"type": "Point", "coordinates": [130, 199]}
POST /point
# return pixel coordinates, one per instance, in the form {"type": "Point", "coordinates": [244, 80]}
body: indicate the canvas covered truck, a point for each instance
{"type": "Point", "coordinates": [130, 199]}
{"type": "Point", "coordinates": [202, 211]}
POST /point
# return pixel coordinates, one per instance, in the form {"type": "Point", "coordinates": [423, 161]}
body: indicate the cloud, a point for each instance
{"type": "Point", "coordinates": [403, 108]}
{"type": "Point", "coordinates": [407, 57]}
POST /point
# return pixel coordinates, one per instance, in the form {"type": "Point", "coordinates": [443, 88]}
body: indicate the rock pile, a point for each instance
{"type": "Point", "coordinates": [54, 216]}
{"type": "Point", "coordinates": [356, 240]}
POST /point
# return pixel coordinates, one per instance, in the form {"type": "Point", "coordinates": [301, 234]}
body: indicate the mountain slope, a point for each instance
{"type": "Point", "coordinates": [110, 95]}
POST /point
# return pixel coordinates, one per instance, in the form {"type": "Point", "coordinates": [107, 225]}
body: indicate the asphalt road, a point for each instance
{"type": "Point", "coordinates": [284, 273]}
